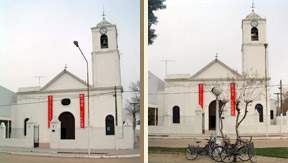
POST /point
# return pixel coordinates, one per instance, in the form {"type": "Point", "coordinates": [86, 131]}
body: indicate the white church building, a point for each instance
{"type": "Point", "coordinates": [59, 110]}
{"type": "Point", "coordinates": [186, 105]}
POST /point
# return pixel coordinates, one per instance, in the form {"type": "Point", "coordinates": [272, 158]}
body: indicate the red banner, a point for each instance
{"type": "Point", "coordinates": [233, 98]}
{"type": "Point", "coordinates": [201, 94]}
{"type": "Point", "coordinates": [50, 109]}
{"type": "Point", "coordinates": [82, 110]}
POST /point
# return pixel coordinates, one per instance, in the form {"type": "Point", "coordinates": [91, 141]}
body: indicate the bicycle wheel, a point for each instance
{"type": "Point", "coordinates": [211, 147]}
{"type": "Point", "coordinates": [191, 153]}
{"type": "Point", "coordinates": [206, 149]}
{"type": "Point", "coordinates": [245, 153]}
{"type": "Point", "coordinates": [218, 154]}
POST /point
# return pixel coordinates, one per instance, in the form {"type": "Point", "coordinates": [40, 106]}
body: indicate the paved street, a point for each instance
{"type": "Point", "coordinates": [9, 158]}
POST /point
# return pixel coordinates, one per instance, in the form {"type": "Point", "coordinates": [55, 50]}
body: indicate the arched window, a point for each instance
{"type": "Point", "coordinates": [176, 114]}
{"type": "Point", "coordinates": [259, 108]}
{"type": "Point", "coordinates": [25, 126]}
{"type": "Point", "coordinates": [109, 125]}
{"type": "Point", "coordinates": [254, 34]}
{"type": "Point", "coordinates": [104, 41]}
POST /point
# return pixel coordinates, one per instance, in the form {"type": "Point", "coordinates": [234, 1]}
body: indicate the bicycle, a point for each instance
{"type": "Point", "coordinates": [192, 151]}
{"type": "Point", "coordinates": [228, 151]}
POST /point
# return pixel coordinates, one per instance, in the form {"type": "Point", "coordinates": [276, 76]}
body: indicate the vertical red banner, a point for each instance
{"type": "Point", "coordinates": [201, 94]}
{"type": "Point", "coordinates": [82, 110]}
{"type": "Point", "coordinates": [233, 98]}
{"type": "Point", "coordinates": [50, 109]}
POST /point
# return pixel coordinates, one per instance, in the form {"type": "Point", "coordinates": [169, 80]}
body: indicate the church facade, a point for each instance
{"type": "Point", "coordinates": [187, 105]}
{"type": "Point", "coordinates": [60, 108]}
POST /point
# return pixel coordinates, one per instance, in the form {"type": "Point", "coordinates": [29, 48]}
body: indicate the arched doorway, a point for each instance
{"type": "Point", "coordinates": [212, 114]}
{"type": "Point", "coordinates": [67, 125]}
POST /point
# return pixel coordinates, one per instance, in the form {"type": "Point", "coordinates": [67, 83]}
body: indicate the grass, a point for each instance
{"type": "Point", "coordinates": [270, 152]}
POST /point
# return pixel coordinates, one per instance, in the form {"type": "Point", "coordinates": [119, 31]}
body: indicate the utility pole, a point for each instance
{"type": "Point", "coordinates": [134, 119]}
{"type": "Point", "coordinates": [166, 61]}
{"type": "Point", "coordinates": [281, 113]}
{"type": "Point", "coordinates": [281, 108]}
{"type": "Point", "coordinates": [265, 45]}
{"type": "Point", "coordinates": [278, 106]}
{"type": "Point", "coordinates": [115, 95]}
{"type": "Point", "coordinates": [116, 117]}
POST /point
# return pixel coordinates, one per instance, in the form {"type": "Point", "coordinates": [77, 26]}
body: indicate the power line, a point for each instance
{"type": "Point", "coordinates": [203, 91]}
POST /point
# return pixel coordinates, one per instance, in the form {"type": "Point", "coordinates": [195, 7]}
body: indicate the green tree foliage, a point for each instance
{"type": "Point", "coordinates": [153, 5]}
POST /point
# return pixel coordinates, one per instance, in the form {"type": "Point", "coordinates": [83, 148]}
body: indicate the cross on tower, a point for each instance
{"type": "Point", "coordinates": [253, 5]}
{"type": "Point", "coordinates": [103, 14]}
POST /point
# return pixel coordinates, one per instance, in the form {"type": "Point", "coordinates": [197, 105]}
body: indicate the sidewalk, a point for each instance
{"type": "Point", "coordinates": [196, 136]}
{"type": "Point", "coordinates": [72, 153]}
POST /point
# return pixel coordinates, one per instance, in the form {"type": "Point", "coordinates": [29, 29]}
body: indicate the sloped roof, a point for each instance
{"type": "Point", "coordinates": [210, 65]}
{"type": "Point", "coordinates": [60, 75]}
{"type": "Point", "coordinates": [253, 15]}
{"type": "Point", "coordinates": [103, 23]}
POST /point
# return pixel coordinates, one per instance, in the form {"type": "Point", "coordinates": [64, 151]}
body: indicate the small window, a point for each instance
{"type": "Point", "coordinates": [104, 41]}
{"type": "Point", "coordinates": [25, 126]}
{"type": "Point", "coordinates": [109, 125]}
{"type": "Point", "coordinates": [271, 114]}
{"type": "Point", "coordinates": [254, 34]}
{"type": "Point", "coordinates": [66, 101]}
{"type": "Point", "coordinates": [259, 108]}
{"type": "Point", "coordinates": [176, 114]}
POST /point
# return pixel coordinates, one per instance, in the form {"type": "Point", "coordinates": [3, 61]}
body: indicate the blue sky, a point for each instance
{"type": "Point", "coordinates": [37, 38]}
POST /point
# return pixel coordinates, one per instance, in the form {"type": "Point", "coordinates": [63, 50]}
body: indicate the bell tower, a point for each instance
{"type": "Point", "coordinates": [105, 55]}
{"type": "Point", "coordinates": [253, 46]}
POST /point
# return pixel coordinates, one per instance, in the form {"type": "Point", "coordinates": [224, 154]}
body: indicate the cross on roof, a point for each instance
{"type": "Point", "coordinates": [65, 66]}
{"type": "Point", "coordinates": [216, 55]}
{"type": "Point", "coordinates": [103, 14]}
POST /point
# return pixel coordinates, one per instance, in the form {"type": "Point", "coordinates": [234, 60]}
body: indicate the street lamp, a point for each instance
{"type": "Point", "coordinates": [217, 91]}
{"type": "Point", "coordinates": [77, 45]}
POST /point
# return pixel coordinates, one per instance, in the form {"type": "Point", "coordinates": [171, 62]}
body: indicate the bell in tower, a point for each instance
{"type": "Point", "coordinates": [254, 61]}
{"type": "Point", "coordinates": [105, 55]}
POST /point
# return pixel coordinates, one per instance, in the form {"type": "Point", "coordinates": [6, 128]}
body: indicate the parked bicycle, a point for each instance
{"type": "Point", "coordinates": [227, 152]}
{"type": "Point", "coordinates": [192, 151]}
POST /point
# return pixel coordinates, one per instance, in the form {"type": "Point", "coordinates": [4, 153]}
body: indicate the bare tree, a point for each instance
{"type": "Point", "coordinates": [133, 104]}
{"type": "Point", "coordinates": [249, 89]}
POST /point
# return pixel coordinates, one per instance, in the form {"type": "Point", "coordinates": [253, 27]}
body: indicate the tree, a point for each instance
{"type": "Point", "coordinates": [133, 104]}
{"type": "Point", "coordinates": [153, 5]}
{"type": "Point", "coordinates": [249, 89]}
{"type": "Point", "coordinates": [284, 103]}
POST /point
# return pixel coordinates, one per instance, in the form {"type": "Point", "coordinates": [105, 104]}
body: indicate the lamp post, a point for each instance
{"type": "Point", "coordinates": [217, 91]}
{"type": "Point", "coordinates": [77, 45]}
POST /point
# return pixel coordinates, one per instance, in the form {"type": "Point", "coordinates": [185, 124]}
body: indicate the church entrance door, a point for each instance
{"type": "Point", "coordinates": [212, 114]}
{"type": "Point", "coordinates": [67, 125]}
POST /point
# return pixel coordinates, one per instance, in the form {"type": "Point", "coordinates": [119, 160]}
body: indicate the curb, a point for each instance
{"type": "Point", "coordinates": [72, 155]}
